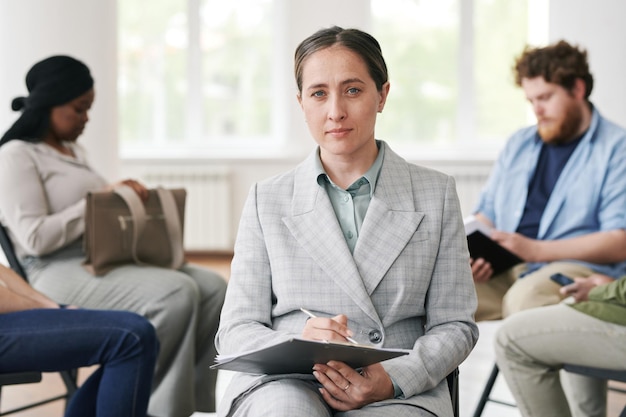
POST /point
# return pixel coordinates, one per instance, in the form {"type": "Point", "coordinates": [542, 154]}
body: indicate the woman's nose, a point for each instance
{"type": "Point", "coordinates": [337, 110]}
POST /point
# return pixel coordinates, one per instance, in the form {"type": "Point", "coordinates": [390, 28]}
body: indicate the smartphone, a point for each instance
{"type": "Point", "coordinates": [561, 279]}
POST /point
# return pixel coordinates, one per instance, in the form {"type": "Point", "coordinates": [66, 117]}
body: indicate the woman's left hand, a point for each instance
{"type": "Point", "coordinates": [138, 187]}
{"type": "Point", "coordinates": [579, 290]}
{"type": "Point", "coordinates": [345, 389]}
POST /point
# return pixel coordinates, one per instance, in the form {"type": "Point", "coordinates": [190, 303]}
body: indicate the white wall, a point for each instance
{"type": "Point", "coordinates": [300, 19]}
{"type": "Point", "coordinates": [597, 26]}
{"type": "Point", "coordinates": [31, 30]}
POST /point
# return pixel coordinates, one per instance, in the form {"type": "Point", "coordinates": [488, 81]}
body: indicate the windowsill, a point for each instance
{"type": "Point", "coordinates": [445, 155]}
{"type": "Point", "coordinates": [209, 153]}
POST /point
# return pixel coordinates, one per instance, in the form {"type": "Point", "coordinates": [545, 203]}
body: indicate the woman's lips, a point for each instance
{"type": "Point", "coordinates": [339, 132]}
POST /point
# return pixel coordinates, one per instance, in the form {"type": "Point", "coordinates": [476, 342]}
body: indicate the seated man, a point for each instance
{"type": "Point", "coordinates": [532, 346]}
{"type": "Point", "coordinates": [557, 193]}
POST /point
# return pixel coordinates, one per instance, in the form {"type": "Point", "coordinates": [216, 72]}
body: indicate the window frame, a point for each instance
{"type": "Point", "coordinates": [289, 137]}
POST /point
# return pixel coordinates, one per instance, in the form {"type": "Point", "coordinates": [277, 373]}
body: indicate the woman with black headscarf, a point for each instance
{"type": "Point", "coordinates": [46, 175]}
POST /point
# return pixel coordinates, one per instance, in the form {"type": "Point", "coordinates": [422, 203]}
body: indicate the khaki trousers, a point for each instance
{"type": "Point", "coordinates": [506, 293]}
{"type": "Point", "coordinates": [532, 346]}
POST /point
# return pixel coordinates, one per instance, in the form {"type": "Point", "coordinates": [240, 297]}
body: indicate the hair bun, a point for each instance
{"type": "Point", "coordinates": [18, 103]}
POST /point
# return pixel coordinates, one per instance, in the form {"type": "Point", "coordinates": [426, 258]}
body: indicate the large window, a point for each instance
{"type": "Point", "coordinates": [450, 67]}
{"type": "Point", "coordinates": [197, 75]}
{"type": "Point", "coordinates": [194, 74]}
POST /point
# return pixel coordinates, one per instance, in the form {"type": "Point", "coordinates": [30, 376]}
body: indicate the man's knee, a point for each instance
{"type": "Point", "coordinates": [529, 293]}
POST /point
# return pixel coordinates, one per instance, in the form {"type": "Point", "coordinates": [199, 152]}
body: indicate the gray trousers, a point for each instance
{"type": "Point", "coordinates": [183, 306]}
{"type": "Point", "coordinates": [532, 346]}
{"type": "Point", "coordinates": [298, 397]}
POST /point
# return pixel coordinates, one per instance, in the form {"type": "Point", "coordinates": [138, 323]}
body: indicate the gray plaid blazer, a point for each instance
{"type": "Point", "coordinates": [407, 285]}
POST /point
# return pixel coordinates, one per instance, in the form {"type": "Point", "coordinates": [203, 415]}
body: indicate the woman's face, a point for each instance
{"type": "Point", "coordinates": [68, 120]}
{"type": "Point", "coordinates": [340, 102]}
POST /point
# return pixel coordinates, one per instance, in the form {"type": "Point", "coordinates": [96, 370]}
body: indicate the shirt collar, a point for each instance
{"type": "Point", "coordinates": [371, 175]}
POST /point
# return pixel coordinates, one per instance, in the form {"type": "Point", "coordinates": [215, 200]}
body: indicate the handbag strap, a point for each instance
{"type": "Point", "coordinates": [138, 215]}
{"type": "Point", "coordinates": [172, 223]}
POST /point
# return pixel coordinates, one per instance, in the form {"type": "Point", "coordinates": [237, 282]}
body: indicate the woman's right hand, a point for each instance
{"type": "Point", "coordinates": [333, 329]}
{"type": "Point", "coordinates": [139, 188]}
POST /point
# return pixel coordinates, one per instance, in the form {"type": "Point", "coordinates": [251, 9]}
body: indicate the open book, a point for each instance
{"type": "Point", "coordinates": [297, 356]}
{"type": "Point", "coordinates": [482, 246]}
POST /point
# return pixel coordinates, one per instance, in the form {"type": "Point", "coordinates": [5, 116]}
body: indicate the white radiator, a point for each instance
{"type": "Point", "coordinates": [209, 216]}
{"type": "Point", "coordinates": [208, 210]}
{"type": "Point", "coordinates": [470, 178]}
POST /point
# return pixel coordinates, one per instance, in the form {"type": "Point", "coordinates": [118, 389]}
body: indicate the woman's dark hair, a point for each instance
{"type": "Point", "coordinates": [559, 63]}
{"type": "Point", "coordinates": [359, 42]}
{"type": "Point", "coordinates": [51, 82]}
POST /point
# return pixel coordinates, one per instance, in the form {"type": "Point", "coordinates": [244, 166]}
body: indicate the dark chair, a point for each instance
{"type": "Point", "coordinates": [485, 397]}
{"type": "Point", "coordinates": [600, 373]}
{"type": "Point", "coordinates": [14, 379]}
{"type": "Point", "coordinates": [69, 377]}
{"type": "Point", "coordinates": [9, 253]}
{"type": "Point", "coordinates": [608, 374]}
{"type": "Point", "coordinates": [453, 386]}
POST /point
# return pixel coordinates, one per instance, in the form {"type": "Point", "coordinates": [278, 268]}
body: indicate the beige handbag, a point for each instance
{"type": "Point", "coordinates": [122, 229]}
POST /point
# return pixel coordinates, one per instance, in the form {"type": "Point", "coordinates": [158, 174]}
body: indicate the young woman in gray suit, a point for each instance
{"type": "Point", "coordinates": [370, 244]}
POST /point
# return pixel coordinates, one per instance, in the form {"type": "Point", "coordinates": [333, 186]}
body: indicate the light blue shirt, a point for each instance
{"type": "Point", "coordinates": [351, 204]}
{"type": "Point", "coordinates": [588, 197]}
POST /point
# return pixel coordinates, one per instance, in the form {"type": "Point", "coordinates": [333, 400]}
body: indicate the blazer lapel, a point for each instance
{"type": "Point", "coordinates": [389, 224]}
{"type": "Point", "coordinates": [314, 225]}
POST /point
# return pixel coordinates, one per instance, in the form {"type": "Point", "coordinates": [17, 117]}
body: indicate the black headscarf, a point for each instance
{"type": "Point", "coordinates": [51, 82]}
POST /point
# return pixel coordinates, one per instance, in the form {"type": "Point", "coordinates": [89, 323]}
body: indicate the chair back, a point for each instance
{"type": "Point", "coordinates": [9, 253]}
{"type": "Point", "coordinates": [69, 377]}
{"type": "Point", "coordinates": [453, 386]}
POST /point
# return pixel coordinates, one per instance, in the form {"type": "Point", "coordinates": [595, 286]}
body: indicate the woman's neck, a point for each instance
{"type": "Point", "coordinates": [59, 147]}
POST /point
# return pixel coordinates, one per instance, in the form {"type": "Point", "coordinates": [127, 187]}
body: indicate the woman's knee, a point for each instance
{"type": "Point", "coordinates": [283, 398]}
{"type": "Point", "coordinates": [134, 324]}
{"type": "Point", "coordinates": [143, 329]}
{"type": "Point", "coordinates": [180, 303]}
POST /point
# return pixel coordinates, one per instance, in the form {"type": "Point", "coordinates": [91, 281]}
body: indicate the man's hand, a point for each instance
{"type": "Point", "coordinates": [527, 249]}
{"type": "Point", "coordinates": [481, 270]}
{"type": "Point", "coordinates": [345, 389]}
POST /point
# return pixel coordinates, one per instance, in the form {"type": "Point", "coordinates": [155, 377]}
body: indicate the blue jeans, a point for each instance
{"type": "Point", "coordinates": [123, 343]}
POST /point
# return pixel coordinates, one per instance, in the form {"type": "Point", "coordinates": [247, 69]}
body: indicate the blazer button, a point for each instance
{"type": "Point", "coordinates": [375, 336]}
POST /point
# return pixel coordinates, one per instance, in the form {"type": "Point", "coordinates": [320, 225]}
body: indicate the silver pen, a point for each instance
{"type": "Point", "coordinates": [313, 316]}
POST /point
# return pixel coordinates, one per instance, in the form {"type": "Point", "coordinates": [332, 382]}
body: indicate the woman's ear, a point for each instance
{"type": "Point", "coordinates": [384, 91]}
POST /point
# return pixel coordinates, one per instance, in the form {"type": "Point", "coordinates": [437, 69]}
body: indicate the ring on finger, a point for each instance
{"type": "Point", "coordinates": [347, 386]}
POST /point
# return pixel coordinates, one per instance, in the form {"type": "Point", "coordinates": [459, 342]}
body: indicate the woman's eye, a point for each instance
{"type": "Point", "coordinates": [353, 90]}
{"type": "Point", "coordinates": [318, 94]}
